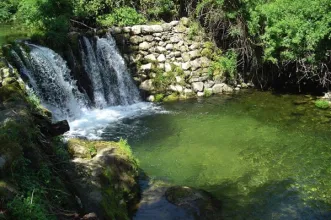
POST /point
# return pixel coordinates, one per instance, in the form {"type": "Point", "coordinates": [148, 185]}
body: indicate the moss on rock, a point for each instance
{"type": "Point", "coordinates": [109, 175]}
{"type": "Point", "coordinates": [171, 98]}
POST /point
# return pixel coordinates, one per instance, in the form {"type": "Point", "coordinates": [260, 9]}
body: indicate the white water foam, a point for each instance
{"type": "Point", "coordinates": [92, 123]}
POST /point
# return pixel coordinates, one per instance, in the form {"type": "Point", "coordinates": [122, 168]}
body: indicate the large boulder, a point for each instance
{"type": "Point", "coordinates": [59, 128]}
{"type": "Point", "coordinates": [218, 88]}
{"type": "Point", "coordinates": [227, 89]}
{"type": "Point", "coordinates": [106, 182]}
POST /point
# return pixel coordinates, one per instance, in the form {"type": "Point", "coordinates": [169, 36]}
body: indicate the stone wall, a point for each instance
{"type": "Point", "coordinates": [171, 61]}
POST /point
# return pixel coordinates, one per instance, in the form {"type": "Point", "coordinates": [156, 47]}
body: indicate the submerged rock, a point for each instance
{"type": "Point", "coordinates": [162, 201]}
{"type": "Point", "coordinates": [197, 202]}
{"type": "Point", "coordinates": [300, 102]}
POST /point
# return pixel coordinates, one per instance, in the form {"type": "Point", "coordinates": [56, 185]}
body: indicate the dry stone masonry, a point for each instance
{"type": "Point", "coordinates": [168, 61]}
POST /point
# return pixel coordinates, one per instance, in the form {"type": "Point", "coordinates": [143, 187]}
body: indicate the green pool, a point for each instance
{"type": "Point", "coordinates": [264, 155]}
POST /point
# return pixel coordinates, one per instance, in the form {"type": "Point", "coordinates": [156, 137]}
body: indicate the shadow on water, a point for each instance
{"type": "Point", "coordinates": [272, 200]}
{"type": "Point", "coordinates": [134, 129]}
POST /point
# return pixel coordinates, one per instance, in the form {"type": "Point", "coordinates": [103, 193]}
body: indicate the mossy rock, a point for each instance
{"type": "Point", "coordinates": [196, 202]}
{"type": "Point", "coordinates": [301, 101]}
{"type": "Point", "coordinates": [159, 97]}
{"type": "Point", "coordinates": [11, 90]}
{"type": "Point", "coordinates": [171, 98]}
{"type": "Point", "coordinates": [209, 45]}
{"type": "Point", "coordinates": [180, 28]}
{"type": "Point", "coordinates": [322, 104]}
{"type": "Point", "coordinates": [206, 52]}
{"type": "Point", "coordinates": [109, 177]}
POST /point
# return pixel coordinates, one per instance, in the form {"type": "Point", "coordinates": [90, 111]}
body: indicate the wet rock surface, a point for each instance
{"type": "Point", "coordinates": [162, 201]}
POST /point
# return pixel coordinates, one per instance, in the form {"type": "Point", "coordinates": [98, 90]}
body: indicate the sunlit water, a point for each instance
{"type": "Point", "coordinates": [262, 155]}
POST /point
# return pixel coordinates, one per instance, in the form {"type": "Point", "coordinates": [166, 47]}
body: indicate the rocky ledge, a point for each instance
{"type": "Point", "coordinates": [43, 177]}
{"type": "Point", "coordinates": [105, 177]}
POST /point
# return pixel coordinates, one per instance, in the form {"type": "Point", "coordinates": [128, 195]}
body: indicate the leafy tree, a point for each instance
{"type": "Point", "coordinates": [7, 9]}
{"type": "Point", "coordinates": [124, 16]}
{"type": "Point", "coordinates": [159, 9]}
{"type": "Point", "coordinates": [48, 18]}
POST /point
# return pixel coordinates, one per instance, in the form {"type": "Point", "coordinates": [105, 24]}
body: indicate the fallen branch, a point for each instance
{"type": "Point", "coordinates": [81, 23]}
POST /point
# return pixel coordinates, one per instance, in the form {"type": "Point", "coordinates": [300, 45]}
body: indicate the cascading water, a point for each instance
{"type": "Point", "coordinates": [92, 68]}
{"type": "Point", "coordinates": [50, 79]}
{"type": "Point", "coordinates": [112, 62]}
{"type": "Point", "coordinates": [108, 73]}
{"type": "Point", "coordinates": [115, 96]}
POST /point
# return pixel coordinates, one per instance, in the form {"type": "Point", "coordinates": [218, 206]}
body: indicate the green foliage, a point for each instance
{"type": "Point", "coordinates": [171, 98]}
{"type": "Point", "coordinates": [7, 9]}
{"type": "Point", "coordinates": [46, 19]}
{"type": "Point", "coordinates": [159, 97]}
{"type": "Point", "coordinates": [163, 80]}
{"type": "Point", "coordinates": [124, 16]}
{"type": "Point", "coordinates": [32, 180]}
{"type": "Point", "coordinates": [209, 45]}
{"type": "Point", "coordinates": [207, 93]}
{"type": "Point", "coordinates": [322, 104]}
{"type": "Point", "coordinates": [92, 150]}
{"type": "Point", "coordinates": [287, 33]}
{"type": "Point", "coordinates": [159, 9]}
{"type": "Point", "coordinates": [34, 100]}
{"type": "Point", "coordinates": [91, 8]}
{"type": "Point", "coordinates": [60, 149]}
{"type": "Point", "coordinates": [206, 52]}
{"type": "Point", "coordinates": [292, 30]}
{"type": "Point", "coordinates": [125, 147]}
{"type": "Point", "coordinates": [30, 207]}
{"type": "Point", "coordinates": [195, 29]}
{"type": "Point", "coordinates": [225, 64]}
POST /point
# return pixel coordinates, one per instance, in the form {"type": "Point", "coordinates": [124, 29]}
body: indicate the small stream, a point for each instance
{"type": "Point", "coordinates": [264, 155]}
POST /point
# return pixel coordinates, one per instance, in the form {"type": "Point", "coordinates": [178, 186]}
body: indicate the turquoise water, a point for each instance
{"type": "Point", "coordinates": [264, 156]}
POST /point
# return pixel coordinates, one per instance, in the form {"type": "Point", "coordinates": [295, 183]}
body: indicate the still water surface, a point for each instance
{"type": "Point", "coordinates": [265, 156]}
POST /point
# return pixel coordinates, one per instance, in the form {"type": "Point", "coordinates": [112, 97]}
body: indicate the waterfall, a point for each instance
{"type": "Point", "coordinates": [50, 78]}
{"type": "Point", "coordinates": [51, 81]}
{"type": "Point", "coordinates": [107, 70]}
{"type": "Point", "coordinates": [120, 88]}
{"type": "Point", "coordinates": [91, 66]}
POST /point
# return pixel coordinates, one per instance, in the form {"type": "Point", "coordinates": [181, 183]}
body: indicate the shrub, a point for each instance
{"type": "Point", "coordinates": [159, 97]}
{"type": "Point", "coordinates": [163, 80]}
{"type": "Point", "coordinates": [124, 16]}
{"type": "Point", "coordinates": [29, 208]}
{"type": "Point", "coordinates": [322, 104]}
{"type": "Point", "coordinates": [207, 93]}
{"type": "Point", "coordinates": [159, 9]}
{"type": "Point", "coordinates": [195, 29]}
{"type": "Point", "coordinates": [7, 9]}
{"type": "Point", "coordinates": [225, 64]}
